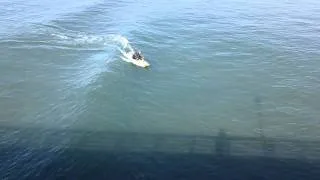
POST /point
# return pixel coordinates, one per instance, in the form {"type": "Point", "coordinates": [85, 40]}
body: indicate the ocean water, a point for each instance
{"type": "Point", "coordinates": [247, 67]}
{"type": "Point", "coordinates": [234, 65]}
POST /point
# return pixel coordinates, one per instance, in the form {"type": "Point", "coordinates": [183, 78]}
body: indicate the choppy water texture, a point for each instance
{"type": "Point", "coordinates": [236, 65]}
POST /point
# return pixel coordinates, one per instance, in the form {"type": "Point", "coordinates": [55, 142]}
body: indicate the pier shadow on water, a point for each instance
{"type": "Point", "coordinates": [29, 154]}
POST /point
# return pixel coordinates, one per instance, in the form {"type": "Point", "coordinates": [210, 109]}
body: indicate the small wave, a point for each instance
{"type": "Point", "coordinates": [108, 46]}
{"type": "Point", "coordinates": [124, 42]}
{"type": "Point", "coordinates": [92, 40]}
{"type": "Point", "coordinates": [61, 36]}
{"type": "Point", "coordinates": [125, 48]}
{"type": "Point", "coordinates": [56, 37]}
{"type": "Point", "coordinates": [82, 40]}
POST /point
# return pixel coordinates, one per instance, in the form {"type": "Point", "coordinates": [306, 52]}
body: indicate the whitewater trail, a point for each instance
{"type": "Point", "coordinates": [105, 49]}
{"type": "Point", "coordinates": [80, 40]}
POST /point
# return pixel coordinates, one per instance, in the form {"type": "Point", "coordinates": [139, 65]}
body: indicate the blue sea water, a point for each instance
{"type": "Point", "coordinates": [248, 67]}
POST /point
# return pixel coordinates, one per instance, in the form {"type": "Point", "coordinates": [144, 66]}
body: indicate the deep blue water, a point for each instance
{"type": "Point", "coordinates": [246, 67]}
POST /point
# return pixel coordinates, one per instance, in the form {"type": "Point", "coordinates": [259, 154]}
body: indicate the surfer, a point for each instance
{"type": "Point", "coordinates": [137, 55]}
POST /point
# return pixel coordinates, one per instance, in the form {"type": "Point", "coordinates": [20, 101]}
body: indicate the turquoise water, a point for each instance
{"type": "Point", "coordinates": [243, 66]}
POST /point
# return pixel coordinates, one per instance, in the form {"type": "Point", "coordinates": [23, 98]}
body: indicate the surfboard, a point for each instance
{"type": "Point", "coordinates": [141, 62]}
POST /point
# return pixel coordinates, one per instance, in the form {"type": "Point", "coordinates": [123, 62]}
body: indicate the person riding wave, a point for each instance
{"type": "Point", "coordinates": [137, 55]}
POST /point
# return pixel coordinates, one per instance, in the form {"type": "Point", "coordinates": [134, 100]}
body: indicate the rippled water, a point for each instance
{"type": "Point", "coordinates": [245, 67]}
{"type": "Point", "coordinates": [241, 66]}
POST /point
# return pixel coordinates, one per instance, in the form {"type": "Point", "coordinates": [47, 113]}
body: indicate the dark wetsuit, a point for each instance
{"type": "Point", "coordinates": [139, 56]}
{"type": "Point", "coordinates": [136, 56]}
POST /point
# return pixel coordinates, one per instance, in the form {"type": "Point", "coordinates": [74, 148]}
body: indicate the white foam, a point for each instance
{"type": "Point", "coordinates": [125, 48]}
{"type": "Point", "coordinates": [82, 41]}
{"type": "Point", "coordinates": [60, 36]}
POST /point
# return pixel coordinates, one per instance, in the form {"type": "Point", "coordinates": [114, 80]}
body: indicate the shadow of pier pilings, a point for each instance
{"type": "Point", "coordinates": [221, 144]}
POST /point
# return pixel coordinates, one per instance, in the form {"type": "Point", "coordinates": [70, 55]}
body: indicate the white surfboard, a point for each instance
{"type": "Point", "coordinates": [141, 62]}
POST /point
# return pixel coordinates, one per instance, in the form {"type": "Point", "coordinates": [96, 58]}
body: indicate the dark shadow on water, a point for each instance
{"type": "Point", "coordinates": [106, 155]}
{"type": "Point", "coordinates": [82, 164]}
{"type": "Point", "coordinates": [222, 144]}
